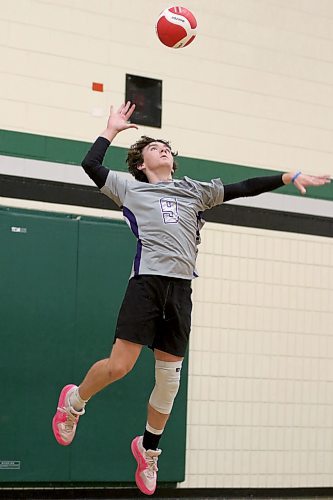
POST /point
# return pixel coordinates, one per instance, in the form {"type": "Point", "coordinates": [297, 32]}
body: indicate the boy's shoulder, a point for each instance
{"type": "Point", "coordinates": [202, 184]}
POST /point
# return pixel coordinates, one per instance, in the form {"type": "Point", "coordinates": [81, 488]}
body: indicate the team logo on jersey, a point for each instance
{"type": "Point", "coordinates": [169, 208]}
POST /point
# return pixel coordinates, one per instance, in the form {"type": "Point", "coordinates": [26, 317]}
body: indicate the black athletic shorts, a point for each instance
{"type": "Point", "coordinates": [156, 311]}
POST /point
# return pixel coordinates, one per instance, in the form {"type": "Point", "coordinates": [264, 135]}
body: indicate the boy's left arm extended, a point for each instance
{"type": "Point", "coordinates": [258, 185]}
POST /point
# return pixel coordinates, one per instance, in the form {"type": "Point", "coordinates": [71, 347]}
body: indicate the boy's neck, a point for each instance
{"type": "Point", "coordinates": [156, 178]}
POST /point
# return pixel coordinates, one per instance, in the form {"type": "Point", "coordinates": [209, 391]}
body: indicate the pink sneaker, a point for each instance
{"type": "Point", "coordinates": [65, 420]}
{"type": "Point", "coordinates": [146, 472]}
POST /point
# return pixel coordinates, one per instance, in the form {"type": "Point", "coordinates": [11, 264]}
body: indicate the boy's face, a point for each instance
{"type": "Point", "coordinates": [157, 156]}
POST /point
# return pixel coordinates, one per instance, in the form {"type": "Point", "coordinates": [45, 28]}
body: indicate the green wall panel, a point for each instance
{"type": "Point", "coordinates": [53, 149]}
{"type": "Point", "coordinates": [68, 151]}
{"type": "Point", "coordinates": [62, 284]}
{"type": "Point", "coordinates": [37, 311]}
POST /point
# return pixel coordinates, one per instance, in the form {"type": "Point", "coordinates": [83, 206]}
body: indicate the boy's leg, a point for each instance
{"type": "Point", "coordinates": [155, 418]}
{"type": "Point", "coordinates": [171, 335]}
{"type": "Point", "coordinates": [145, 448]}
{"type": "Point", "coordinates": [72, 399]}
{"type": "Point", "coordinates": [123, 357]}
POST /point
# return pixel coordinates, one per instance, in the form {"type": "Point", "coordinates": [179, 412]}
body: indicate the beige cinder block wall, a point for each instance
{"type": "Point", "coordinates": [261, 371]}
{"type": "Point", "coordinates": [255, 88]}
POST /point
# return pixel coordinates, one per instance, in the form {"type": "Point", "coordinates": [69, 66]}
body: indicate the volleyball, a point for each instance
{"type": "Point", "coordinates": [176, 27]}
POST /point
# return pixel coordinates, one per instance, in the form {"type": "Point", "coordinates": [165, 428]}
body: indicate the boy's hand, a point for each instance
{"type": "Point", "coordinates": [302, 181]}
{"type": "Point", "coordinates": [118, 120]}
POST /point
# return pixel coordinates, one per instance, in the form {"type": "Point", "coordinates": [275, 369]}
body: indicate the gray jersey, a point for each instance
{"type": "Point", "coordinates": [166, 220]}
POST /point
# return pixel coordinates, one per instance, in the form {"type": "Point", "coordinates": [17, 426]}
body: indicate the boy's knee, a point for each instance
{"type": "Point", "coordinates": [167, 380]}
{"type": "Point", "coordinates": [117, 371]}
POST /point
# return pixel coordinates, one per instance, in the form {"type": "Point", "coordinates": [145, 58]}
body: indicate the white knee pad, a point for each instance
{"type": "Point", "coordinates": [167, 380]}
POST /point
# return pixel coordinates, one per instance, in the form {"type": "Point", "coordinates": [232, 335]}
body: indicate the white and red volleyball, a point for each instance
{"type": "Point", "coordinates": [176, 27]}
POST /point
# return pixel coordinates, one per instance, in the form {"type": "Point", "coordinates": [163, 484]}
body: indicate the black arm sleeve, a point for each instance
{"type": "Point", "coordinates": [92, 163]}
{"type": "Point", "coordinates": [252, 187]}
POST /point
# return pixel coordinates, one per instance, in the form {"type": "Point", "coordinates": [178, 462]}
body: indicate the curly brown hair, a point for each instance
{"type": "Point", "coordinates": [135, 158]}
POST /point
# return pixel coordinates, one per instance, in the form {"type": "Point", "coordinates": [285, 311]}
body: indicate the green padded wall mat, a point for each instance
{"type": "Point", "coordinates": [62, 282]}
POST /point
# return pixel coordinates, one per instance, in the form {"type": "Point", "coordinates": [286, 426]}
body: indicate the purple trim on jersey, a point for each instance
{"type": "Point", "coordinates": [135, 230]}
{"type": "Point", "coordinates": [199, 219]}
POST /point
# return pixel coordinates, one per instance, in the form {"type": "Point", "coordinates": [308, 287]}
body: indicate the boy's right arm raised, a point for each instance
{"type": "Point", "coordinates": [118, 121]}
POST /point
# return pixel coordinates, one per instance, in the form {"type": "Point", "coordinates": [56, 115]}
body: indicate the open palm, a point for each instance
{"type": "Point", "coordinates": [303, 181]}
{"type": "Point", "coordinates": [118, 120]}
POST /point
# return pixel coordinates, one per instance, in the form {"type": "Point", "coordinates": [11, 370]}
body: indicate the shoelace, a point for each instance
{"type": "Point", "coordinates": [71, 419]}
{"type": "Point", "coordinates": [151, 466]}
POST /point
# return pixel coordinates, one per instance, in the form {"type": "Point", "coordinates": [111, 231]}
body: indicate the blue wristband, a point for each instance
{"type": "Point", "coordinates": [295, 176]}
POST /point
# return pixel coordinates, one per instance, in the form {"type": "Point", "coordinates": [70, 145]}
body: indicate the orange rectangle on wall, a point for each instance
{"type": "Point", "coordinates": [98, 87]}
